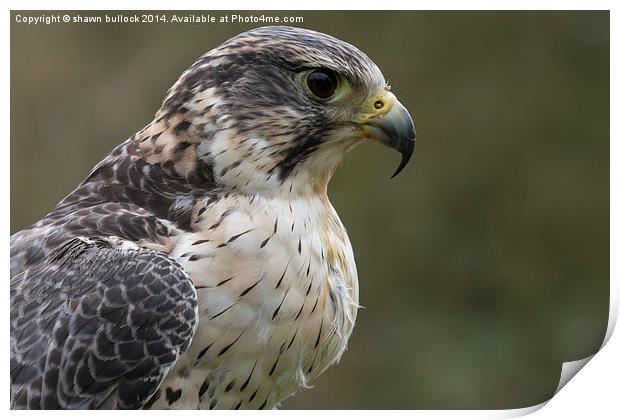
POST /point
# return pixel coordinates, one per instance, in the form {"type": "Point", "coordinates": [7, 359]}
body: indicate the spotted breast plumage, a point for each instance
{"type": "Point", "coordinates": [201, 264]}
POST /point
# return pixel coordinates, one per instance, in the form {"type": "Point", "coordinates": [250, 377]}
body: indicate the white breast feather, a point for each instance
{"type": "Point", "coordinates": [264, 304]}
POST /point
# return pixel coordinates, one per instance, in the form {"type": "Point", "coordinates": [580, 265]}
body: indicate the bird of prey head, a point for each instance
{"type": "Point", "coordinates": [275, 108]}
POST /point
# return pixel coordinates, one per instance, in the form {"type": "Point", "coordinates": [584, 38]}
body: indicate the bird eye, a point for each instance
{"type": "Point", "coordinates": [322, 83]}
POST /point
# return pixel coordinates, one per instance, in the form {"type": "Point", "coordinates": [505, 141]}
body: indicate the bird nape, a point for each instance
{"type": "Point", "coordinates": [200, 264]}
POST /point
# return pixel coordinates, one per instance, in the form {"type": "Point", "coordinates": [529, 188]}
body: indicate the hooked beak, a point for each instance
{"type": "Point", "coordinates": [394, 129]}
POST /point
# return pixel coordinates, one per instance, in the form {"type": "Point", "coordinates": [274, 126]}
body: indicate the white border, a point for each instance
{"type": "Point", "coordinates": [593, 393]}
{"type": "Point", "coordinates": [316, 5]}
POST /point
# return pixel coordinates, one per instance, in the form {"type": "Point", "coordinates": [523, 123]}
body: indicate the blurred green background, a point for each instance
{"type": "Point", "coordinates": [482, 267]}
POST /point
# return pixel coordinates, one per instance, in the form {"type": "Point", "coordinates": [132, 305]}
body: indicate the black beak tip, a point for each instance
{"type": "Point", "coordinates": [406, 153]}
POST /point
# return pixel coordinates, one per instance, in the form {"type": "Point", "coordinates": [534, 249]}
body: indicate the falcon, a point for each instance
{"type": "Point", "coordinates": [200, 265]}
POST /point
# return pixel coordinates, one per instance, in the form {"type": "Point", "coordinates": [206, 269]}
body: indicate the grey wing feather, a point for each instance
{"type": "Point", "coordinates": [96, 326]}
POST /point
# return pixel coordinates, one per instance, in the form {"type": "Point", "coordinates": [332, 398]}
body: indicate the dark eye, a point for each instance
{"type": "Point", "coordinates": [322, 83]}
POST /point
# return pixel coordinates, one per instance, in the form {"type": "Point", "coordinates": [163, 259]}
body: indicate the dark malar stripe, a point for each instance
{"type": "Point", "coordinates": [305, 144]}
